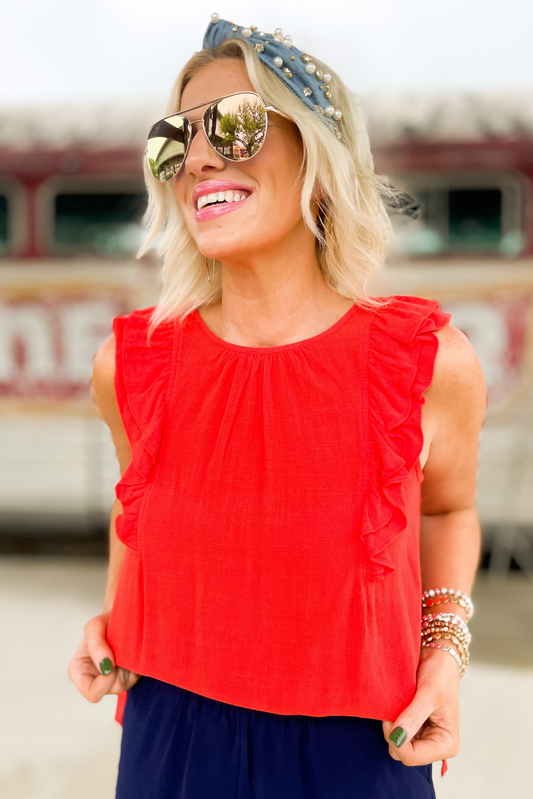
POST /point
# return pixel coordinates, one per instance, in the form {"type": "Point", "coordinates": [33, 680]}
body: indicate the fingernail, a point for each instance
{"type": "Point", "coordinates": [106, 667]}
{"type": "Point", "coordinates": [398, 736]}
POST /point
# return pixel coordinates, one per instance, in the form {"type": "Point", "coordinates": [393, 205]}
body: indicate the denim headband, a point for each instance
{"type": "Point", "coordinates": [309, 83]}
{"type": "Point", "coordinates": [294, 68]}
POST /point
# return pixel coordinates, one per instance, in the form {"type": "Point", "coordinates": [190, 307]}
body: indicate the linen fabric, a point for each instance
{"type": "Point", "coordinates": [179, 745]}
{"type": "Point", "coordinates": [271, 511]}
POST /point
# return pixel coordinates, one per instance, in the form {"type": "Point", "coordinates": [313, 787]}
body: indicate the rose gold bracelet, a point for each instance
{"type": "Point", "coordinates": [454, 640]}
{"type": "Point", "coordinates": [445, 618]}
{"type": "Point", "coordinates": [447, 627]}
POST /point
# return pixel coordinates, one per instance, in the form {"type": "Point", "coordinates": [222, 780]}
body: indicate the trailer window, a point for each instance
{"type": "Point", "coordinates": [105, 223]}
{"type": "Point", "coordinates": [3, 223]}
{"type": "Point", "coordinates": [463, 219]}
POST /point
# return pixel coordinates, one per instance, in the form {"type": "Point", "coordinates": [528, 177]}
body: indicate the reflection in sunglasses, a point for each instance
{"type": "Point", "coordinates": [235, 127]}
{"type": "Point", "coordinates": [238, 132]}
{"type": "Point", "coordinates": [167, 146]}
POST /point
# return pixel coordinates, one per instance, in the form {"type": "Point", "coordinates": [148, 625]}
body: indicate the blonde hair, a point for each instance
{"type": "Point", "coordinates": [352, 227]}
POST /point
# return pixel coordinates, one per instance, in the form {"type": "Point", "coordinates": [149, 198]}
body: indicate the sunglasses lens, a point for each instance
{"type": "Point", "coordinates": [167, 145]}
{"type": "Point", "coordinates": [236, 126]}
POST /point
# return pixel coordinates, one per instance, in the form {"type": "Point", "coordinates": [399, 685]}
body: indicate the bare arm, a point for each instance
{"type": "Point", "coordinates": [92, 669]}
{"type": "Point", "coordinates": [103, 389]}
{"type": "Point", "coordinates": [449, 539]}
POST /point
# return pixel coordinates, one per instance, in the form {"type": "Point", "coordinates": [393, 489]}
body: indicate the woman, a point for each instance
{"type": "Point", "coordinates": [298, 461]}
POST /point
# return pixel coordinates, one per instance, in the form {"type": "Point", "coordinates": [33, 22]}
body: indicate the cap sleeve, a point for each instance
{"type": "Point", "coordinates": [142, 375]}
{"type": "Point", "coordinates": [402, 351]}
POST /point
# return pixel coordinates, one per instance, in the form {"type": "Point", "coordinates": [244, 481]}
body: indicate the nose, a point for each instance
{"type": "Point", "coordinates": [201, 157]}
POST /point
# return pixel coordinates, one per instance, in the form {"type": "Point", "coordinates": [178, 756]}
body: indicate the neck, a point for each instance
{"type": "Point", "coordinates": [274, 296]}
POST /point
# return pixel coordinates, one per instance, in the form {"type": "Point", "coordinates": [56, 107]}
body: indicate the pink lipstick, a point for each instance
{"type": "Point", "coordinates": [214, 211]}
{"type": "Point", "coordinates": [214, 188]}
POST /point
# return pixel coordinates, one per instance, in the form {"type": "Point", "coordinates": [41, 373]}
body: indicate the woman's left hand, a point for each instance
{"type": "Point", "coordinates": [431, 721]}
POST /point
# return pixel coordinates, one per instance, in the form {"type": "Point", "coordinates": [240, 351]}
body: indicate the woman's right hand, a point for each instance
{"type": "Point", "coordinates": [89, 667]}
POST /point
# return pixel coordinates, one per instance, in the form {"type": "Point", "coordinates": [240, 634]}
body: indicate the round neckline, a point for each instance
{"type": "Point", "coordinates": [282, 347]}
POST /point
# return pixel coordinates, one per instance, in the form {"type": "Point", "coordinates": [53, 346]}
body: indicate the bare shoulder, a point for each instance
{"type": "Point", "coordinates": [103, 388]}
{"type": "Point", "coordinates": [103, 379]}
{"type": "Point", "coordinates": [458, 381]}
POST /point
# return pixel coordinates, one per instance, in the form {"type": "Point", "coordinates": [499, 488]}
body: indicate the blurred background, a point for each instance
{"type": "Point", "coordinates": [447, 91]}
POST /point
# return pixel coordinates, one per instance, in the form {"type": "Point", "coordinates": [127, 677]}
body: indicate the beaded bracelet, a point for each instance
{"type": "Point", "coordinates": [445, 618]}
{"type": "Point", "coordinates": [457, 639]}
{"type": "Point", "coordinates": [448, 626]}
{"type": "Point", "coordinates": [456, 635]}
{"type": "Point", "coordinates": [435, 596]}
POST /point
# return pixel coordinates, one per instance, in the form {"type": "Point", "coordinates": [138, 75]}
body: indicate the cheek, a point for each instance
{"type": "Point", "coordinates": [281, 187]}
{"type": "Point", "coordinates": [179, 193]}
{"type": "Point", "coordinates": [287, 186]}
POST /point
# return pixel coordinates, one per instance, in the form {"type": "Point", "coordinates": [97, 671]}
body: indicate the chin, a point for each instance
{"type": "Point", "coordinates": [217, 247]}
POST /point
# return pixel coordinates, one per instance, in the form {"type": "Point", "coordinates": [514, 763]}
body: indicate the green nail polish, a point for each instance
{"type": "Point", "coordinates": [398, 736]}
{"type": "Point", "coordinates": [106, 667]}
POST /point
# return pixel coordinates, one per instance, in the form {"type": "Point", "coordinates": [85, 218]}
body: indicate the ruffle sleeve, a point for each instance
{"type": "Point", "coordinates": [402, 351]}
{"type": "Point", "coordinates": [142, 375]}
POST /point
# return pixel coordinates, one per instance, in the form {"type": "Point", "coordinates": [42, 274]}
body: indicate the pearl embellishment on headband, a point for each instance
{"type": "Point", "coordinates": [271, 51]}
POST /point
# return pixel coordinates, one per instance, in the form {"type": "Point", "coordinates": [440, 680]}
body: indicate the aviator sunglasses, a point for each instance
{"type": "Point", "coordinates": [234, 125]}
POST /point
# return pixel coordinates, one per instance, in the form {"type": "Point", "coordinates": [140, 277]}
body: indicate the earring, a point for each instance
{"type": "Point", "coordinates": [328, 230]}
{"type": "Point", "coordinates": [210, 279]}
{"type": "Point", "coordinates": [325, 225]}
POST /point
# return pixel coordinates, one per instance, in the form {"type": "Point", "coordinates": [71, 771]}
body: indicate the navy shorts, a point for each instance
{"type": "Point", "coordinates": [179, 745]}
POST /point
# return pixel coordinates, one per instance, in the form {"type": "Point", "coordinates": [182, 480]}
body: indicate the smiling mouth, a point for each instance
{"type": "Point", "coordinates": [220, 197]}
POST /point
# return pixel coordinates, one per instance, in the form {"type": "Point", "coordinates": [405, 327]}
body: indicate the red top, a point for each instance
{"type": "Point", "coordinates": [272, 510]}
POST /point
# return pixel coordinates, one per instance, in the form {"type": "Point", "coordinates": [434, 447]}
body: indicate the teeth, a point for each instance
{"type": "Point", "coordinates": [220, 197]}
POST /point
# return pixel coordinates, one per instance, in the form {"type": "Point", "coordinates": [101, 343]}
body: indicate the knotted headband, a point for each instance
{"type": "Point", "coordinates": [294, 68]}
{"type": "Point", "coordinates": [310, 84]}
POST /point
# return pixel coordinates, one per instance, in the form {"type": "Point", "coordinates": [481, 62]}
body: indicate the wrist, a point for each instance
{"type": "Point", "coordinates": [437, 662]}
{"type": "Point", "coordinates": [445, 627]}
{"type": "Point", "coordinates": [106, 609]}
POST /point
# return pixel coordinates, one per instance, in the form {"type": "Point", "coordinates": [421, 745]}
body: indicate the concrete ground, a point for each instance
{"type": "Point", "coordinates": [55, 745]}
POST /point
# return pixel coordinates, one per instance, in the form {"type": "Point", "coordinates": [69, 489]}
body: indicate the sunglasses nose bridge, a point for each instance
{"type": "Point", "coordinates": [205, 154]}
